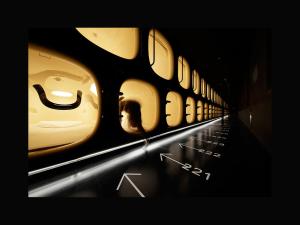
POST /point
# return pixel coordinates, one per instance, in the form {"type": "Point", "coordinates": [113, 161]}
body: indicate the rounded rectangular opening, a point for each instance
{"type": "Point", "coordinates": [208, 91]}
{"type": "Point", "coordinates": [174, 109]}
{"type": "Point", "coordinates": [139, 106]}
{"type": "Point", "coordinates": [199, 110]}
{"type": "Point", "coordinates": [183, 72]}
{"type": "Point", "coordinates": [205, 111]}
{"type": "Point", "coordinates": [190, 110]}
{"type": "Point", "coordinates": [122, 42]}
{"type": "Point", "coordinates": [203, 88]}
{"type": "Point", "coordinates": [214, 97]}
{"type": "Point", "coordinates": [160, 55]}
{"type": "Point", "coordinates": [63, 104]}
{"type": "Point", "coordinates": [195, 82]}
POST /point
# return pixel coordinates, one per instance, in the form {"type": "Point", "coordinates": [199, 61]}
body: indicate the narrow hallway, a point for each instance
{"type": "Point", "coordinates": [220, 158]}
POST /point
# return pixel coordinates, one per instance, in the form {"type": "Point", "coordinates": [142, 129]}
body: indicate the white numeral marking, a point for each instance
{"type": "Point", "coordinates": [217, 155]}
{"type": "Point", "coordinates": [197, 172]}
{"type": "Point", "coordinates": [209, 152]}
{"type": "Point", "coordinates": [208, 175]}
{"type": "Point", "coordinates": [186, 166]}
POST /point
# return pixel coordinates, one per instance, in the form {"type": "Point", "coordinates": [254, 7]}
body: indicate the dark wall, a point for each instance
{"type": "Point", "coordinates": [256, 98]}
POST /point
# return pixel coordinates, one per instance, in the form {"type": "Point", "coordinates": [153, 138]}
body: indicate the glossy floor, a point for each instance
{"type": "Point", "coordinates": [220, 159]}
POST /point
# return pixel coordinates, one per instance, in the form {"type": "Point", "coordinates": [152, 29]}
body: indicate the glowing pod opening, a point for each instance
{"type": "Point", "coordinates": [205, 111]}
{"type": "Point", "coordinates": [174, 109]}
{"type": "Point", "coordinates": [123, 42]}
{"type": "Point", "coordinates": [199, 110]}
{"type": "Point", "coordinates": [195, 82]}
{"type": "Point", "coordinates": [160, 55]}
{"type": "Point", "coordinates": [203, 88]}
{"type": "Point", "coordinates": [208, 91]}
{"type": "Point", "coordinates": [214, 97]}
{"type": "Point", "coordinates": [146, 98]}
{"type": "Point", "coordinates": [183, 72]}
{"type": "Point", "coordinates": [190, 110]}
{"type": "Point", "coordinates": [63, 101]}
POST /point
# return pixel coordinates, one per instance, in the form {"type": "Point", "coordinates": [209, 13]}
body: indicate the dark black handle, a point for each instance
{"type": "Point", "coordinates": [52, 105]}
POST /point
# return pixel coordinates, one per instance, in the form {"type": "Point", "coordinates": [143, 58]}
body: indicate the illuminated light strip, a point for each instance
{"type": "Point", "coordinates": [69, 181]}
{"type": "Point", "coordinates": [64, 183]}
{"type": "Point", "coordinates": [93, 89]}
{"type": "Point", "coordinates": [109, 150]}
{"type": "Point", "coordinates": [83, 158]}
{"type": "Point", "coordinates": [175, 137]}
{"type": "Point", "coordinates": [169, 132]}
{"type": "Point", "coordinates": [62, 93]}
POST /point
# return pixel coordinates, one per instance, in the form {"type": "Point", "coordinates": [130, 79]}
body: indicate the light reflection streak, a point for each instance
{"type": "Point", "coordinates": [74, 179]}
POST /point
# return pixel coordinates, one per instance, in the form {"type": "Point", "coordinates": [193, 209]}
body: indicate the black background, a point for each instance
{"type": "Point", "coordinates": [173, 15]}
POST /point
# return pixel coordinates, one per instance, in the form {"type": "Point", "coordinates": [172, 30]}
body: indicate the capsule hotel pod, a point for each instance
{"type": "Point", "coordinates": [160, 55]}
{"type": "Point", "coordinates": [64, 102]}
{"type": "Point", "coordinates": [146, 95]}
{"type": "Point", "coordinates": [174, 108]}
{"type": "Point", "coordinates": [190, 110]}
{"type": "Point", "coordinates": [122, 42]}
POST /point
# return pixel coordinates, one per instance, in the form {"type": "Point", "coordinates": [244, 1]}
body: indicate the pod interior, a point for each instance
{"type": "Point", "coordinates": [190, 110]}
{"type": "Point", "coordinates": [146, 95]}
{"type": "Point", "coordinates": [174, 109]}
{"type": "Point", "coordinates": [63, 101]}
{"type": "Point", "coordinates": [160, 55]}
{"type": "Point", "coordinates": [123, 42]}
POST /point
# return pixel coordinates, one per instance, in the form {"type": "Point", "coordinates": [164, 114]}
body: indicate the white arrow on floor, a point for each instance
{"type": "Point", "coordinates": [135, 187]}
{"type": "Point", "coordinates": [222, 132]}
{"type": "Point", "coordinates": [218, 155]}
{"type": "Point", "coordinates": [219, 137]}
{"type": "Point", "coordinates": [190, 147]}
{"type": "Point", "coordinates": [165, 155]}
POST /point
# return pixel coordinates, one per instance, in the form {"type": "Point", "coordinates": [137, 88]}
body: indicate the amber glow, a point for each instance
{"type": "Point", "coordinates": [205, 111]}
{"type": "Point", "coordinates": [208, 91]}
{"type": "Point", "coordinates": [203, 87]}
{"type": "Point", "coordinates": [199, 111]}
{"type": "Point", "coordinates": [210, 111]}
{"type": "Point", "coordinates": [183, 72]}
{"type": "Point", "coordinates": [174, 109]}
{"type": "Point", "coordinates": [190, 110]}
{"type": "Point", "coordinates": [53, 129]}
{"type": "Point", "coordinates": [123, 42]}
{"type": "Point", "coordinates": [196, 82]}
{"type": "Point", "coordinates": [214, 97]}
{"type": "Point", "coordinates": [161, 56]}
{"type": "Point", "coordinates": [147, 97]}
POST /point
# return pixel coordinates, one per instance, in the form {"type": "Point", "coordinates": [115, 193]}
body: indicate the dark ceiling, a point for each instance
{"type": "Point", "coordinates": [218, 54]}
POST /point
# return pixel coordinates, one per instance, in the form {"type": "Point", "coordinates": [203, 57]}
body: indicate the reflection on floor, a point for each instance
{"type": "Point", "coordinates": [222, 159]}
